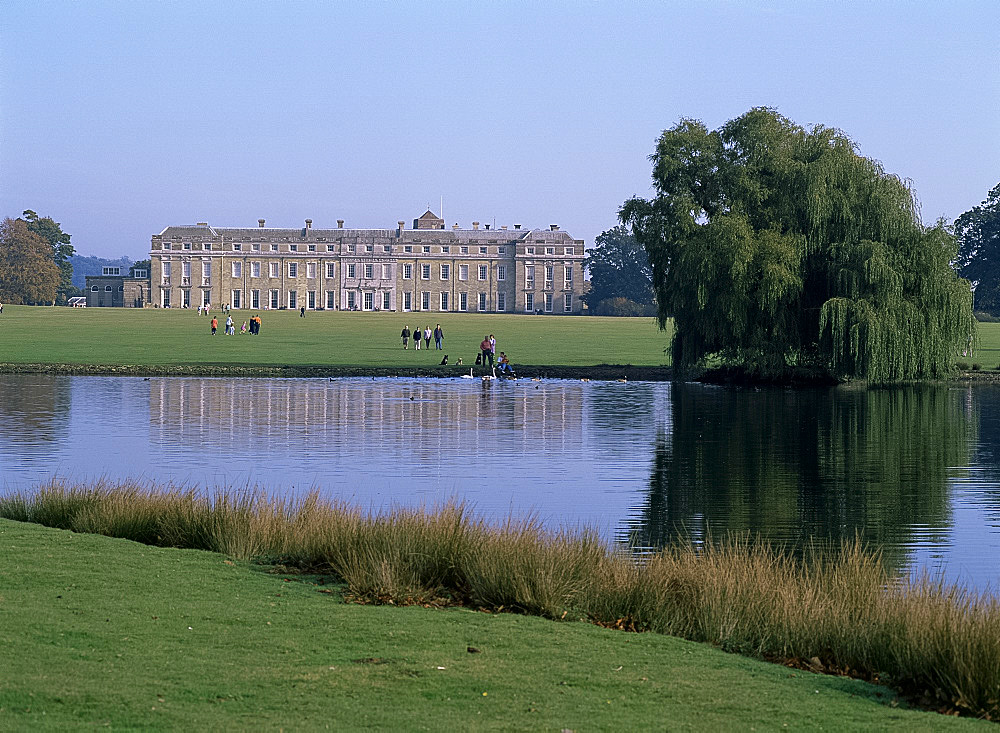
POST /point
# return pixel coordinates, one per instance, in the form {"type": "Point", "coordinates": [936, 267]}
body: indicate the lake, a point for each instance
{"type": "Point", "coordinates": [914, 470]}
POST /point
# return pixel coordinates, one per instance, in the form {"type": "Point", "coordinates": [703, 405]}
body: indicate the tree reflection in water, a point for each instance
{"type": "Point", "coordinates": [800, 466]}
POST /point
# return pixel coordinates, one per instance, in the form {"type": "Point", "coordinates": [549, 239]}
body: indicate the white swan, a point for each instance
{"type": "Point", "coordinates": [469, 375]}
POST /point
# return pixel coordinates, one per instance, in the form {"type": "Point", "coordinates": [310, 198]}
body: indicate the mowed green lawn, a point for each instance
{"type": "Point", "coordinates": [113, 336]}
{"type": "Point", "coordinates": [101, 632]}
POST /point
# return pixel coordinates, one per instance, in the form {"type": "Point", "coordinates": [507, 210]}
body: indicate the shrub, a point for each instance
{"type": "Point", "coordinates": [623, 307]}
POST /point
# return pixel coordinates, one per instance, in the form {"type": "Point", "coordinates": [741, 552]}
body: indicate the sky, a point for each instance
{"type": "Point", "coordinates": [118, 119]}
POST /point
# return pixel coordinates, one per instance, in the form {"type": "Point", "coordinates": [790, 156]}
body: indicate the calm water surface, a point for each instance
{"type": "Point", "coordinates": [915, 470]}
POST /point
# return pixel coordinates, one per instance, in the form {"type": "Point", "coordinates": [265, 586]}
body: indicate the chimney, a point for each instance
{"type": "Point", "coordinates": [454, 227]}
{"type": "Point", "coordinates": [340, 223]}
{"type": "Point", "coordinates": [553, 227]}
{"type": "Point", "coordinates": [260, 223]}
{"type": "Point", "coordinates": [401, 226]}
{"type": "Point", "coordinates": [309, 223]}
{"type": "Point", "coordinates": [503, 227]}
{"type": "Point", "coordinates": [517, 226]}
{"type": "Point", "coordinates": [475, 225]}
{"type": "Point", "coordinates": [487, 227]}
{"type": "Point", "coordinates": [203, 223]}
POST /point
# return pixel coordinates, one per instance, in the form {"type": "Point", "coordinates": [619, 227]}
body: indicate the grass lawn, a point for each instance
{"type": "Point", "coordinates": [114, 336]}
{"type": "Point", "coordinates": [106, 632]}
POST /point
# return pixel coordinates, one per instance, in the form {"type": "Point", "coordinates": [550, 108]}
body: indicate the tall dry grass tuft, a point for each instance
{"type": "Point", "coordinates": [836, 609]}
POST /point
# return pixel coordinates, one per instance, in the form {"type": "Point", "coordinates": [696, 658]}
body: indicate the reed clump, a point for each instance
{"type": "Point", "coordinates": [834, 610]}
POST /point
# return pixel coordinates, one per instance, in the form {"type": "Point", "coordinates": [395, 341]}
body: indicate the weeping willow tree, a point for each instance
{"type": "Point", "coordinates": [776, 247]}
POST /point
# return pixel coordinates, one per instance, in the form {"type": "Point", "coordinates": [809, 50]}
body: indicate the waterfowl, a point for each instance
{"type": "Point", "coordinates": [469, 375]}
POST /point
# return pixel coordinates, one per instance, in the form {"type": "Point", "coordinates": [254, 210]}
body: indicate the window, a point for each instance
{"type": "Point", "coordinates": [140, 273]}
{"type": "Point", "coordinates": [330, 302]}
{"type": "Point", "coordinates": [369, 301]}
{"type": "Point", "coordinates": [310, 269]}
{"type": "Point", "coordinates": [530, 250]}
{"type": "Point", "coordinates": [482, 250]}
{"type": "Point", "coordinates": [165, 298]}
{"type": "Point", "coordinates": [274, 299]}
{"type": "Point", "coordinates": [386, 271]}
{"type": "Point", "coordinates": [501, 250]}
{"type": "Point", "coordinates": [237, 269]}
{"type": "Point", "coordinates": [549, 269]}
{"type": "Point", "coordinates": [501, 301]}
{"type": "Point", "coordinates": [207, 245]}
{"type": "Point", "coordinates": [107, 288]}
{"type": "Point", "coordinates": [567, 250]}
{"type": "Point", "coordinates": [407, 248]}
{"type": "Point", "coordinates": [501, 272]}
{"type": "Point", "coordinates": [187, 245]}
{"type": "Point", "coordinates": [425, 301]}
{"type": "Point", "coordinates": [206, 297]}
{"type": "Point", "coordinates": [186, 298]}
{"type": "Point", "coordinates": [550, 250]}
{"type": "Point", "coordinates": [529, 302]}
{"type": "Point", "coordinates": [311, 247]}
{"type": "Point", "coordinates": [548, 302]}
{"type": "Point", "coordinates": [352, 300]}
{"type": "Point", "coordinates": [483, 272]}
{"type": "Point", "coordinates": [407, 272]}
{"type": "Point", "coordinates": [386, 300]}
{"type": "Point", "coordinates": [407, 301]}
{"type": "Point", "coordinates": [444, 301]}
{"type": "Point", "coordinates": [293, 299]}
{"type": "Point", "coordinates": [425, 272]}
{"type": "Point", "coordinates": [274, 248]}
{"type": "Point", "coordinates": [463, 272]}
{"type": "Point", "coordinates": [463, 301]}
{"type": "Point", "coordinates": [293, 269]}
{"type": "Point", "coordinates": [463, 250]}
{"type": "Point", "coordinates": [166, 273]}
{"type": "Point", "coordinates": [273, 266]}
{"type": "Point", "coordinates": [369, 272]}
{"type": "Point", "coordinates": [237, 297]}
{"type": "Point", "coordinates": [445, 249]}
{"type": "Point", "coordinates": [482, 301]}
{"type": "Point", "coordinates": [350, 248]}
{"type": "Point", "coordinates": [111, 271]}
{"type": "Point", "coordinates": [352, 271]}
{"type": "Point", "coordinates": [387, 248]}
{"type": "Point", "coordinates": [237, 247]}
{"type": "Point", "coordinates": [185, 273]}
{"type": "Point", "coordinates": [529, 276]}
{"type": "Point", "coordinates": [369, 248]}
{"type": "Point", "coordinates": [121, 289]}
{"type": "Point", "coordinates": [293, 248]}
{"type": "Point", "coordinates": [425, 248]}
{"type": "Point", "coordinates": [255, 299]}
{"type": "Point", "coordinates": [254, 269]}
{"type": "Point", "coordinates": [311, 300]}
{"type": "Point", "coordinates": [255, 247]}
{"type": "Point", "coordinates": [568, 276]}
{"type": "Point", "coordinates": [568, 306]}
{"type": "Point", "coordinates": [330, 269]}
{"type": "Point", "coordinates": [445, 272]}
{"type": "Point", "coordinates": [330, 248]}
{"type": "Point", "coordinates": [166, 245]}
{"type": "Point", "coordinates": [94, 289]}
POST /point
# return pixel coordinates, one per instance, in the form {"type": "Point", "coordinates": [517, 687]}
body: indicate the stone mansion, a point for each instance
{"type": "Point", "coordinates": [425, 268]}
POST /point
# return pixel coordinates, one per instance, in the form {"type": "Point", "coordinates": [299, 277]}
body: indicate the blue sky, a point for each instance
{"type": "Point", "coordinates": [120, 118]}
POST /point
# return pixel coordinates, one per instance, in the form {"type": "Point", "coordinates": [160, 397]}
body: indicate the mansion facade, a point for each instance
{"type": "Point", "coordinates": [424, 268]}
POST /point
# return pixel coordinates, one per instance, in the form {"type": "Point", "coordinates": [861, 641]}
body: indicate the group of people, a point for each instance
{"type": "Point", "coordinates": [251, 326]}
{"type": "Point", "coordinates": [488, 355]}
{"type": "Point", "coordinates": [426, 334]}
{"type": "Point", "coordinates": [203, 310]}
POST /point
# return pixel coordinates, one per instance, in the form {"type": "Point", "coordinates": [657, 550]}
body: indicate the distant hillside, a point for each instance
{"type": "Point", "coordinates": [83, 266]}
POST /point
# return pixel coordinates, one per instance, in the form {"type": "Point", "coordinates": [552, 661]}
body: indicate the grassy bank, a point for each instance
{"type": "Point", "coordinates": [169, 339]}
{"type": "Point", "coordinates": [839, 612]}
{"type": "Point", "coordinates": [101, 632]}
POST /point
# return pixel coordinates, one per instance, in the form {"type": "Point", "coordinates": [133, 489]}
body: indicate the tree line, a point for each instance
{"type": "Point", "coordinates": [35, 266]}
